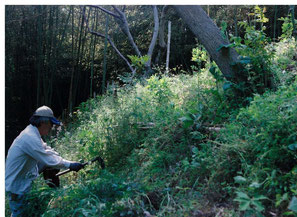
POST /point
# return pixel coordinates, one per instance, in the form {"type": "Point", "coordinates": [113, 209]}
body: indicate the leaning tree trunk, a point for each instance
{"type": "Point", "coordinates": [209, 35]}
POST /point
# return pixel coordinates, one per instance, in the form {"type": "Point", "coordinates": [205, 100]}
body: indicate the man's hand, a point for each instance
{"type": "Point", "coordinates": [76, 166]}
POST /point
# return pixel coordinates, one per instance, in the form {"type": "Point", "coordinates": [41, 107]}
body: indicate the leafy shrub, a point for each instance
{"type": "Point", "coordinates": [256, 74]}
{"type": "Point", "coordinates": [139, 62]}
{"type": "Point", "coordinates": [285, 61]}
{"type": "Point", "coordinates": [287, 27]}
{"type": "Point", "coordinates": [260, 146]}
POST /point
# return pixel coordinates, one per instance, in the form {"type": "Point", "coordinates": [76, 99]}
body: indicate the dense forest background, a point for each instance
{"type": "Point", "coordinates": [52, 58]}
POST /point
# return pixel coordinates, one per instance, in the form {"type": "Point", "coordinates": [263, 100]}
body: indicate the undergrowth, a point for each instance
{"type": "Point", "coordinates": [164, 158]}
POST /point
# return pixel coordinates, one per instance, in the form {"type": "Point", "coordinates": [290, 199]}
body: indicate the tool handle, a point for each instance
{"type": "Point", "coordinates": [68, 170]}
{"type": "Point", "coordinates": [84, 164]}
{"type": "Point", "coordinates": [63, 172]}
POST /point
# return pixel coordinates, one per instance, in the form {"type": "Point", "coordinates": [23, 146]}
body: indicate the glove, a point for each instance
{"type": "Point", "coordinates": [76, 166]}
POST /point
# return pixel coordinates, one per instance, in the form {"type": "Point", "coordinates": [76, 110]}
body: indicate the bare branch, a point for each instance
{"type": "Point", "coordinates": [115, 48]}
{"type": "Point", "coordinates": [112, 44]}
{"type": "Point", "coordinates": [118, 10]}
{"type": "Point", "coordinates": [123, 23]}
{"type": "Point", "coordinates": [105, 10]}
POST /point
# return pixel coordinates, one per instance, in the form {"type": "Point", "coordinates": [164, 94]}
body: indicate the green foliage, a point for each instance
{"type": "Point", "coordinates": [259, 15]}
{"type": "Point", "coordinates": [287, 27]}
{"type": "Point", "coordinates": [159, 88]}
{"type": "Point", "coordinates": [256, 74]}
{"type": "Point", "coordinates": [293, 205]}
{"type": "Point", "coordinates": [139, 62]}
{"type": "Point", "coordinates": [261, 142]}
{"type": "Point", "coordinates": [285, 65]}
{"type": "Point", "coordinates": [204, 66]}
{"type": "Point", "coordinates": [200, 57]}
{"type": "Point", "coordinates": [224, 26]}
{"type": "Point", "coordinates": [251, 205]}
{"type": "Point", "coordinates": [262, 65]}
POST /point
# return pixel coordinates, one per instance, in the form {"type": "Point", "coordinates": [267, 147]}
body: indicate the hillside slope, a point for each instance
{"type": "Point", "coordinates": [175, 147]}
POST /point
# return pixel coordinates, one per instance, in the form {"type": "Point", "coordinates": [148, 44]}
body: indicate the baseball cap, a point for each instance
{"type": "Point", "coordinates": [45, 111]}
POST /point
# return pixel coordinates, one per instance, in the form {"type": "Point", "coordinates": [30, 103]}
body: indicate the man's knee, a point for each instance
{"type": "Point", "coordinates": [17, 204]}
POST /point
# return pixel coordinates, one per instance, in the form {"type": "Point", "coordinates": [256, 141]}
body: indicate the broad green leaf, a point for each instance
{"type": "Point", "coordinates": [187, 123]}
{"type": "Point", "coordinates": [188, 120]}
{"type": "Point", "coordinates": [227, 85]}
{"type": "Point", "coordinates": [280, 199]}
{"type": "Point", "coordinates": [245, 60]}
{"type": "Point", "coordinates": [196, 164]}
{"type": "Point", "coordinates": [225, 46]}
{"type": "Point", "coordinates": [195, 150]}
{"type": "Point", "coordinates": [239, 179]}
{"type": "Point", "coordinates": [242, 195]}
{"type": "Point", "coordinates": [241, 200]}
{"type": "Point", "coordinates": [288, 214]}
{"type": "Point", "coordinates": [293, 205]}
{"type": "Point", "coordinates": [244, 206]}
{"type": "Point", "coordinates": [255, 185]}
{"type": "Point", "coordinates": [258, 205]}
{"type": "Point", "coordinates": [212, 70]}
{"type": "Point", "coordinates": [188, 117]}
{"type": "Point", "coordinates": [185, 162]}
{"type": "Point", "coordinates": [293, 147]}
{"type": "Point", "coordinates": [260, 197]}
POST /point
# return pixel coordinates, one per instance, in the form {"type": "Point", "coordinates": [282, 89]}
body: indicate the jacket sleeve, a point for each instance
{"type": "Point", "coordinates": [35, 148]}
{"type": "Point", "coordinates": [48, 149]}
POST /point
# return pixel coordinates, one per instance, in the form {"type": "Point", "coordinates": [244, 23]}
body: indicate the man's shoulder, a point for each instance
{"type": "Point", "coordinates": [29, 134]}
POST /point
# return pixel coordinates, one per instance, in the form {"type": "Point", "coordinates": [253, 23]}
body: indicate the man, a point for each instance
{"type": "Point", "coordinates": [26, 154]}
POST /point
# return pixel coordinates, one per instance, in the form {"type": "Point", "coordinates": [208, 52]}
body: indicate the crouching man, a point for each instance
{"type": "Point", "coordinates": [25, 154]}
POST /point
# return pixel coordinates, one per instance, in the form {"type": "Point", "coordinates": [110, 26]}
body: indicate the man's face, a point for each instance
{"type": "Point", "coordinates": [45, 128]}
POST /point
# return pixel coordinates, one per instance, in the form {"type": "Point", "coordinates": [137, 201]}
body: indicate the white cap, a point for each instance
{"type": "Point", "coordinates": [45, 111]}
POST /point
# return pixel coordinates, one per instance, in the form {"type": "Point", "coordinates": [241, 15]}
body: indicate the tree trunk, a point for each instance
{"type": "Point", "coordinates": [209, 36]}
{"type": "Point", "coordinates": [48, 46]}
{"type": "Point", "coordinates": [93, 52]}
{"type": "Point", "coordinates": [77, 61]}
{"type": "Point", "coordinates": [73, 64]}
{"type": "Point", "coordinates": [294, 34]}
{"type": "Point", "coordinates": [64, 30]}
{"type": "Point", "coordinates": [80, 57]}
{"type": "Point", "coordinates": [274, 23]}
{"type": "Point", "coordinates": [39, 53]}
{"type": "Point", "coordinates": [168, 47]}
{"type": "Point", "coordinates": [153, 41]}
{"type": "Point", "coordinates": [105, 56]}
{"type": "Point", "coordinates": [162, 43]}
{"type": "Point", "coordinates": [54, 51]}
{"type": "Point", "coordinates": [235, 20]}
